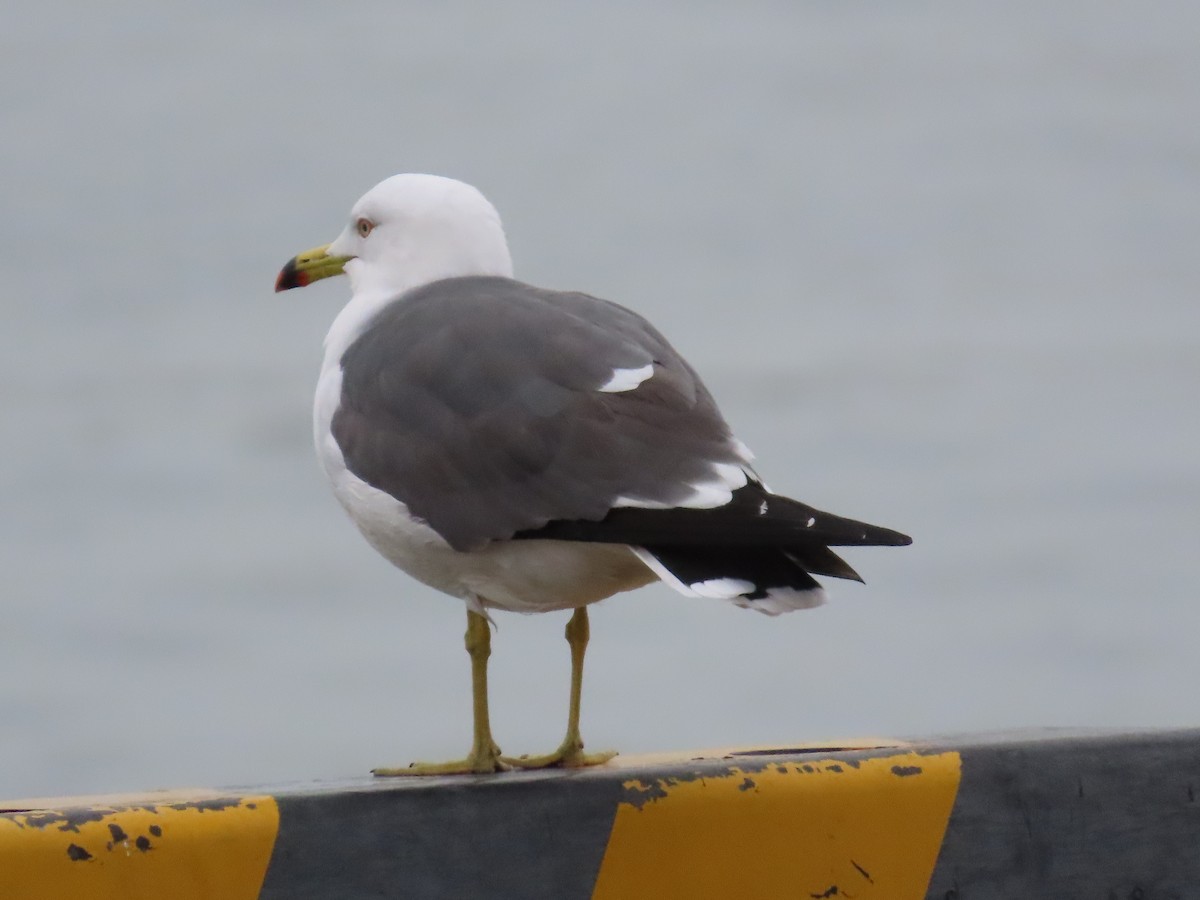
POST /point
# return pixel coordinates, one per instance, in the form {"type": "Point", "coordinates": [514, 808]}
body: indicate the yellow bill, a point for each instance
{"type": "Point", "coordinates": [309, 266]}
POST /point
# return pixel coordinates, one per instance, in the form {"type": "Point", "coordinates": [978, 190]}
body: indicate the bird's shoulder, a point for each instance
{"type": "Point", "coordinates": [508, 332]}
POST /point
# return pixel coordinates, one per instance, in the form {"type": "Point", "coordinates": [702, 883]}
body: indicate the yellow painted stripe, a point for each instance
{"type": "Point", "coordinates": [833, 828]}
{"type": "Point", "coordinates": [177, 849]}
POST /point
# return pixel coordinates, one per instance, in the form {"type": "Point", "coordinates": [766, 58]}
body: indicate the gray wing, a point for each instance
{"type": "Point", "coordinates": [476, 402]}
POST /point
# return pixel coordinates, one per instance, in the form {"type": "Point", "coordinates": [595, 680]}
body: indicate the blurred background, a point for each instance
{"type": "Point", "coordinates": [938, 263]}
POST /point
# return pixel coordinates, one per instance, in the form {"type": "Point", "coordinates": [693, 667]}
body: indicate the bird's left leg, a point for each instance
{"type": "Point", "coordinates": [570, 752]}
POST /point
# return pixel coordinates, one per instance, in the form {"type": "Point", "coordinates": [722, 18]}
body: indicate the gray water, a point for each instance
{"type": "Point", "coordinates": [939, 263]}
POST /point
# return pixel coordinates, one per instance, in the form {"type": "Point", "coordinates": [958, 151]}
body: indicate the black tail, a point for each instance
{"type": "Point", "coordinates": [752, 518]}
{"type": "Point", "coordinates": [767, 580]}
{"type": "Point", "coordinates": [759, 550]}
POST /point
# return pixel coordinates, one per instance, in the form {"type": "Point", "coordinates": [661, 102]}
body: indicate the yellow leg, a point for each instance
{"type": "Point", "coordinates": [484, 757]}
{"type": "Point", "coordinates": [570, 752]}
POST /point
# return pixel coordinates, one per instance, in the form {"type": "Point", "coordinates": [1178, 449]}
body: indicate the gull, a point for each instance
{"type": "Point", "coordinates": [533, 450]}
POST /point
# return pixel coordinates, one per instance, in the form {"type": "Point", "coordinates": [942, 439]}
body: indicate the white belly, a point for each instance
{"type": "Point", "coordinates": [521, 576]}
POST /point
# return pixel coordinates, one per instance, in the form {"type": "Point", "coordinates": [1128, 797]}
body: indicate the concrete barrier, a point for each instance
{"type": "Point", "coordinates": [1110, 816]}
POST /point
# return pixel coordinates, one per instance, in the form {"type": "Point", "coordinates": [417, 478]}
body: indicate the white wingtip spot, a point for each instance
{"type": "Point", "coordinates": [811, 522]}
{"type": "Point", "coordinates": [626, 379]}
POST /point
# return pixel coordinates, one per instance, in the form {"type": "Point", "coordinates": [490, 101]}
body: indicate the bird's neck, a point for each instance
{"type": "Point", "coordinates": [352, 321]}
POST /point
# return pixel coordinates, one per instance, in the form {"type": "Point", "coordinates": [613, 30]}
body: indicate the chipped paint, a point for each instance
{"type": "Point", "coordinates": [75, 853]}
{"type": "Point", "coordinates": [855, 826]}
{"type": "Point", "coordinates": [863, 872]}
{"type": "Point", "coordinates": [183, 849]}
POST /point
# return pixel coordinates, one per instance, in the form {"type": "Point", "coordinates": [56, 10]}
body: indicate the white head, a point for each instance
{"type": "Point", "coordinates": [407, 231]}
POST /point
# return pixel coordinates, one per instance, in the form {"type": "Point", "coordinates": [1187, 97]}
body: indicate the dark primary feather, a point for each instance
{"type": "Point", "coordinates": [781, 531]}
{"type": "Point", "coordinates": [753, 517]}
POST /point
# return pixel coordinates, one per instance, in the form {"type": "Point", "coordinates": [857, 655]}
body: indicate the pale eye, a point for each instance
{"type": "Point", "coordinates": [364, 227]}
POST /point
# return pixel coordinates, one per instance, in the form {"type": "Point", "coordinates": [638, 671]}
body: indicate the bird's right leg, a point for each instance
{"type": "Point", "coordinates": [484, 757]}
